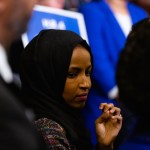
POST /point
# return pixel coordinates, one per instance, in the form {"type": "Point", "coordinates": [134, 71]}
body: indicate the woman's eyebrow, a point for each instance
{"type": "Point", "coordinates": [78, 68]}
{"type": "Point", "coordinates": [74, 68]}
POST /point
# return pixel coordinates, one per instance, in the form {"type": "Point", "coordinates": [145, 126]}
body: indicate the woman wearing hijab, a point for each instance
{"type": "Point", "coordinates": [55, 73]}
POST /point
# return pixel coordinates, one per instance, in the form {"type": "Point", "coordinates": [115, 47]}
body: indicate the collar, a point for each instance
{"type": "Point", "coordinates": [5, 70]}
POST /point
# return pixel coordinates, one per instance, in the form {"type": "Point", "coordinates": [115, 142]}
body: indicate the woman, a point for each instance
{"type": "Point", "coordinates": [56, 67]}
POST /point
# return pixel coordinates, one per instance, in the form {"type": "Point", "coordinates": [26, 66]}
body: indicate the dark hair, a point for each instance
{"type": "Point", "coordinates": [133, 70]}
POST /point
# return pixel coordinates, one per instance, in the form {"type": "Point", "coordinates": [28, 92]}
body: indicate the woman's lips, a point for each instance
{"type": "Point", "coordinates": [82, 97]}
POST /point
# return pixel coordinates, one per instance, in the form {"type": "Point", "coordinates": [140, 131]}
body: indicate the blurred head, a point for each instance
{"type": "Point", "coordinates": [15, 15]}
{"type": "Point", "coordinates": [52, 3]}
{"type": "Point", "coordinates": [133, 72]}
{"type": "Point", "coordinates": [56, 67]}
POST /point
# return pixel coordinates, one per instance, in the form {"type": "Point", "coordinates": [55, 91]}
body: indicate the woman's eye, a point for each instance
{"type": "Point", "coordinates": [71, 74]}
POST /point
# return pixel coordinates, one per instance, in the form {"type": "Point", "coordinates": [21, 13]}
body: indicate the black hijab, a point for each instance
{"type": "Point", "coordinates": [44, 67]}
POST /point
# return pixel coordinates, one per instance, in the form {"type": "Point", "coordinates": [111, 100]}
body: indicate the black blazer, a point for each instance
{"type": "Point", "coordinates": [16, 131]}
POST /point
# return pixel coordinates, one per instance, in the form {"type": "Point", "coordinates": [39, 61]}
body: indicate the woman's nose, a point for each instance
{"type": "Point", "coordinates": [85, 82]}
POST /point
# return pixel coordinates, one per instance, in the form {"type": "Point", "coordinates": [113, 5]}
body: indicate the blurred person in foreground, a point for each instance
{"type": "Point", "coordinates": [133, 79]}
{"type": "Point", "coordinates": [16, 131]}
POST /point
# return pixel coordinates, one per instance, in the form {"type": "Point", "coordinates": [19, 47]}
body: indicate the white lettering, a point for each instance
{"type": "Point", "coordinates": [53, 24]}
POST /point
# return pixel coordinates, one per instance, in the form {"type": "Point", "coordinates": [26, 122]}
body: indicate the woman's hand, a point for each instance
{"type": "Point", "coordinates": [108, 125]}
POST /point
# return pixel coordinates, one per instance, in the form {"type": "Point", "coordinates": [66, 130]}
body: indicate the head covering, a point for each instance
{"type": "Point", "coordinates": [44, 67]}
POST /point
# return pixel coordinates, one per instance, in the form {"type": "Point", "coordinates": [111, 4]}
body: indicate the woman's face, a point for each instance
{"type": "Point", "coordinates": [78, 81]}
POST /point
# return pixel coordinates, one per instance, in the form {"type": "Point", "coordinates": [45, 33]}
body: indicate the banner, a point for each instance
{"type": "Point", "coordinates": [52, 18]}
